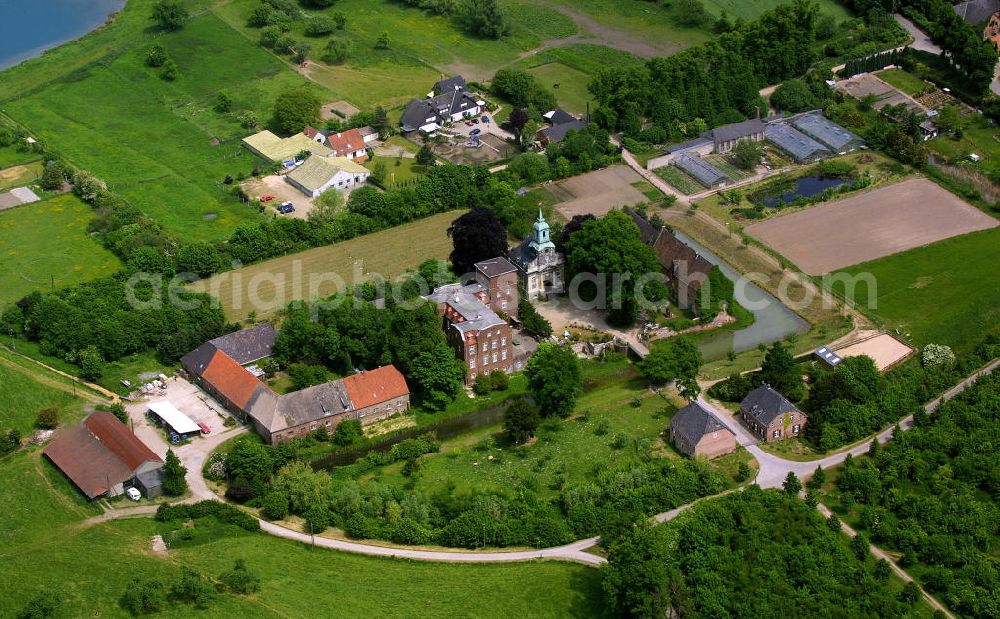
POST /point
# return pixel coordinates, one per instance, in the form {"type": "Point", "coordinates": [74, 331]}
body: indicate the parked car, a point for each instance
{"type": "Point", "coordinates": [175, 438]}
{"type": "Point", "coordinates": [266, 198]}
{"type": "Point", "coordinates": [475, 121]}
{"type": "Point", "coordinates": [204, 428]}
{"type": "Point", "coordinates": [486, 119]}
{"type": "Point", "coordinates": [468, 122]}
{"type": "Point", "coordinates": [133, 493]}
{"type": "Point", "coordinates": [286, 207]}
{"type": "Point", "coordinates": [476, 131]}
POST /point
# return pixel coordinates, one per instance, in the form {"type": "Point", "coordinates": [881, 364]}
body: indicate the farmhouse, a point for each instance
{"type": "Point", "coordinates": [686, 269]}
{"type": "Point", "coordinates": [450, 102]}
{"type": "Point", "coordinates": [350, 143]}
{"type": "Point", "coordinates": [770, 415]}
{"type": "Point", "coordinates": [248, 345]}
{"type": "Point", "coordinates": [560, 123]}
{"type": "Point", "coordinates": [102, 457]}
{"type": "Point", "coordinates": [540, 267]}
{"type": "Point", "coordinates": [367, 396]}
{"type": "Point", "coordinates": [317, 174]}
{"type": "Point", "coordinates": [695, 431]}
{"type": "Point", "coordinates": [273, 148]}
{"type": "Point", "coordinates": [481, 339]}
{"type": "Point", "coordinates": [724, 138]}
{"type": "Point", "coordinates": [721, 140]}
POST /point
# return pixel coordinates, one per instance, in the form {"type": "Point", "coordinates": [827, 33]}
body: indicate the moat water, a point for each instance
{"type": "Point", "coordinates": [29, 27]}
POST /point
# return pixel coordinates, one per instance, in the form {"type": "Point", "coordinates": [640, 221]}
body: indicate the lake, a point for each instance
{"type": "Point", "coordinates": [773, 321]}
{"type": "Point", "coordinates": [805, 187]}
{"type": "Point", "coordinates": [29, 27]}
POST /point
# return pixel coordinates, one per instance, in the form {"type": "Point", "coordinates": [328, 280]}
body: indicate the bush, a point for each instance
{"type": "Point", "coordinates": [936, 355]}
{"type": "Point", "coordinates": [275, 506]}
{"type": "Point", "coordinates": [53, 177]}
{"type": "Point", "coordinates": [48, 418]}
{"type": "Point", "coordinates": [319, 26]}
{"type": "Point", "coordinates": [224, 512]}
{"type": "Point", "coordinates": [240, 579]}
{"type": "Point", "coordinates": [156, 56]}
{"type": "Point", "coordinates": [347, 432]}
{"type": "Point", "coordinates": [143, 597]}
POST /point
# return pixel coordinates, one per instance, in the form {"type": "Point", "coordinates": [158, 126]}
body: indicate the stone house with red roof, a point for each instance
{"type": "Point", "coordinates": [101, 456]}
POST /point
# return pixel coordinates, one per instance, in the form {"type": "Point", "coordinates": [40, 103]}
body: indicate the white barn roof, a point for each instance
{"type": "Point", "coordinates": [177, 420]}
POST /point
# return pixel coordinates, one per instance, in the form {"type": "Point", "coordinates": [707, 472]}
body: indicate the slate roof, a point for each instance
{"type": "Point", "coordinates": [647, 232]}
{"type": "Point", "coordinates": [368, 388]}
{"type": "Point", "coordinates": [198, 359]}
{"type": "Point", "coordinates": [559, 116]}
{"type": "Point", "coordinates": [693, 422]}
{"type": "Point", "coordinates": [977, 11]}
{"type": "Point", "coordinates": [495, 267]}
{"type": "Point", "coordinates": [450, 84]}
{"type": "Point", "coordinates": [828, 356]}
{"type": "Point", "coordinates": [248, 345]}
{"type": "Point", "coordinates": [476, 315]}
{"type": "Point", "coordinates": [98, 453]}
{"type": "Point", "coordinates": [735, 131]}
{"type": "Point", "coordinates": [437, 109]}
{"type": "Point", "coordinates": [557, 133]}
{"type": "Point", "coordinates": [765, 404]}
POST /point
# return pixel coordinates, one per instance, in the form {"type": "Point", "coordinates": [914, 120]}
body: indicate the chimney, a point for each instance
{"type": "Point", "coordinates": [757, 108]}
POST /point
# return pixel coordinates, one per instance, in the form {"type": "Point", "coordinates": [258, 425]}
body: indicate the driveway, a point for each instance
{"type": "Point", "coordinates": [920, 39]}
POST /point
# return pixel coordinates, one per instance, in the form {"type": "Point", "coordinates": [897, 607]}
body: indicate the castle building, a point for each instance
{"type": "Point", "coordinates": [480, 337]}
{"type": "Point", "coordinates": [540, 267]}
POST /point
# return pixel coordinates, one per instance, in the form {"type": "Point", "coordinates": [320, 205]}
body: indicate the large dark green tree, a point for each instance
{"type": "Point", "coordinates": [520, 421]}
{"type": "Point", "coordinates": [174, 483]}
{"type": "Point", "coordinates": [475, 236]}
{"type": "Point", "coordinates": [554, 379]}
{"type": "Point", "coordinates": [170, 14]}
{"type": "Point", "coordinates": [610, 251]}
{"type": "Point", "coordinates": [296, 108]}
{"type": "Point", "coordinates": [677, 358]}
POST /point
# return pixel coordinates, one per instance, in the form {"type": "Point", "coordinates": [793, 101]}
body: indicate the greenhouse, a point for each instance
{"type": "Point", "coordinates": [796, 144]}
{"type": "Point", "coordinates": [835, 137]}
{"type": "Point", "coordinates": [701, 170]}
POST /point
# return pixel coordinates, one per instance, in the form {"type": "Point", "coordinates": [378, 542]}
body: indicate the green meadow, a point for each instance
{"type": "Point", "coordinates": [47, 549]}
{"type": "Point", "coordinates": [22, 396]}
{"type": "Point", "coordinates": [46, 243]}
{"type": "Point", "coordinates": [749, 9]}
{"type": "Point", "coordinates": [944, 293]}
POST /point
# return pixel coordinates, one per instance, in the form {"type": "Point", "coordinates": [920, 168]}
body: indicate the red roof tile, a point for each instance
{"type": "Point", "coordinates": [231, 379]}
{"type": "Point", "coordinates": [375, 386]}
{"type": "Point", "coordinates": [346, 142]}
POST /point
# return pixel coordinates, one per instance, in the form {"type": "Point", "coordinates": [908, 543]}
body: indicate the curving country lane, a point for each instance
{"type": "Point", "coordinates": [772, 472]}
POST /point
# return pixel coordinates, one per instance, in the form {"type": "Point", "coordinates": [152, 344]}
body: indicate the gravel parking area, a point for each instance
{"type": "Point", "coordinates": [187, 398]}
{"type": "Point", "coordinates": [870, 225]}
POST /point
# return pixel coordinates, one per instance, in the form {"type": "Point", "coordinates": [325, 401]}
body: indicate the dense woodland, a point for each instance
{"type": "Point", "coordinates": [933, 494]}
{"type": "Point", "coordinates": [756, 553]}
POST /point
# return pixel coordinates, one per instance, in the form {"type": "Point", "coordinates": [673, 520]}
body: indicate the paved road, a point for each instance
{"type": "Point", "coordinates": [773, 470]}
{"type": "Point", "coordinates": [920, 39]}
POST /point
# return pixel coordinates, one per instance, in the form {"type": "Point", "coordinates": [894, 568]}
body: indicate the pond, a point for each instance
{"type": "Point", "coordinates": [771, 323]}
{"type": "Point", "coordinates": [443, 430]}
{"type": "Point", "coordinates": [803, 187]}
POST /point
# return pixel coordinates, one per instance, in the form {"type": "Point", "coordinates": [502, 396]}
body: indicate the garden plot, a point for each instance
{"type": "Point", "coordinates": [598, 192]}
{"type": "Point", "coordinates": [869, 225]}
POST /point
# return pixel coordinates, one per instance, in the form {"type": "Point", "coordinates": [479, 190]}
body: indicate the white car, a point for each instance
{"type": "Point", "coordinates": [134, 494]}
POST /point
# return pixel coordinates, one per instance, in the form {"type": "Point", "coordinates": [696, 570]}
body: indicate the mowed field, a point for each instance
{"type": "Point", "coordinates": [157, 143]}
{"type": "Point", "coordinates": [48, 550]}
{"type": "Point", "coordinates": [870, 225]}
{"type": "Point", "coordinates": [46, 242]}
{"type": "Point", "coordinates": [25, 389]}
{"type": "Point", "coordinates": [945, 293]}
{"type": "Point", "coordinates": [316, 273]}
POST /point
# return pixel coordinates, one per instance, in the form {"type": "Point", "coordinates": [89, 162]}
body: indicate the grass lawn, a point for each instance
{"type": "Point", "coordinates": [978, 136]}
{"type": "Point", "coordinates": [20, 175]}
{"type": "Point", "coordinates": [903, 80]}
{"type": "Point", "coordinates": [568, 84]}
{"type": "Point", "coordinates": [46, 550]}
{"type": "Point", "coordinates": [10, 156]}
{"type": "Point", "coordinates": [398, 169]}
{"type": "Point", "coordinates": [751, 9]}
{"type": "Point", "coordinates": [314, 273]}
{"type": "Point", "coordinates": [618, 422]}
{"type": "Point", "coordinates": [46, 242]}
{"type": "Point", "coordinates": [150, 139]}
{"type": "Point", "coordinates": [24, 390]}
{"type": "Point", "coordinates": [679, 180]}
{"type": "Point", "coordinates": [940, 293]}
{"type": "Point", "coordinates": [648, 190]}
